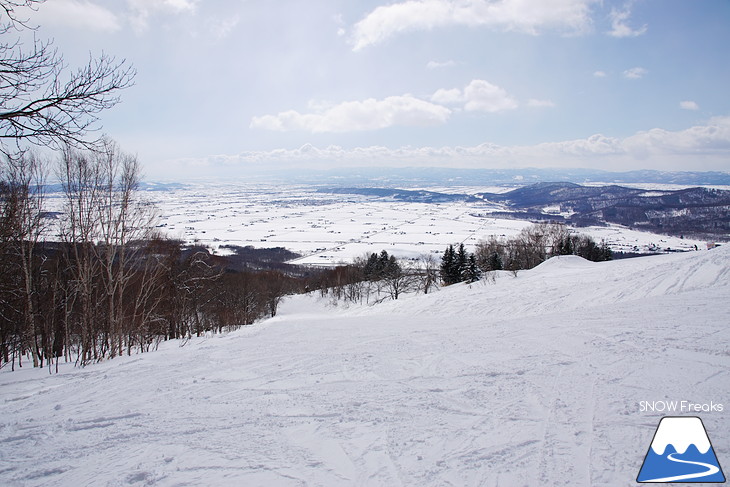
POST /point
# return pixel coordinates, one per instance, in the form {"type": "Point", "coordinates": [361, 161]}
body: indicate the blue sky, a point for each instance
{"type": "Point", "coordinates": [229, 86]}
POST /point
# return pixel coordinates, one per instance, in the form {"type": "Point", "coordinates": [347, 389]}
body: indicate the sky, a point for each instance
{"type": "Point", "coordinates": [230, 87]}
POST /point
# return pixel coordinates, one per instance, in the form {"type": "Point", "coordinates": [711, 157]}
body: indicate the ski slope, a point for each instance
{"type": "Point", "coordinates": [524, 381]}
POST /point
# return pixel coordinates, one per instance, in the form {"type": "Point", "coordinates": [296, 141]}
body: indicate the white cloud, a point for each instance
{"type": "Point", "coordinates": [406, 110]}
{"type": "Point", "coordinates": [337, 19]}
{"type": "Point", "coordinates": [370, 114]}
{"type": "Point", "coordinates": [483, 96]}
{"type": "Point", "coordinates": [713, 137]}
{"type": "Point", "coordinates": [453, 96]}
{"type": "Point", "coordinates": [619, 27]}
{"type": "Point", "coordinates": [528, 16]}
{"type": "Point", "coordinates": [142, 10]}
{"type": "Point", "coordinates": [595, 145]}
{"type": "Point", "coordinates": [707, 144]}
{"type": "Point", "coordinates": [688, 105]}
{"type": "Point", "coordinates": [479, 95]}
{"type": "Point", "coordinates": [658, 145]}
{"type": "Point", "coordinates": [79, 14]}
{"type": "Point", "coordinates": [532, 102]}
{"type": "Point", "coordinates": [635, 73]}
{"type": "Point", "coordinates": [220, 28]}
{"type": "Point", "coordinates": [600, 74]}
{"type": "Point", "coordinates": [438, 65]}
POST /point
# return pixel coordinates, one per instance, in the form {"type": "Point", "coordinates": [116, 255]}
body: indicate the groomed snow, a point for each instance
{"type": "Point", "coordinates": [529, 380]}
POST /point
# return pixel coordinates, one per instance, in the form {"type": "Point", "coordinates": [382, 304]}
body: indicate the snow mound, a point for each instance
{"type": "Point", "coordinates": [562, 262]}
{"type": "Point", "coordinates": [568, 283]}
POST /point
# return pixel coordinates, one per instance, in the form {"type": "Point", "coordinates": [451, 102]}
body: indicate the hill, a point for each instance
{"type": "Point", "coordinates": [418, 196]}
{"type": "Point", "coordinates": [700, 211]}
{"type": "Point", "coordinates": [531, 380]}
{"type": "Point", "coordinates": [696, 211]}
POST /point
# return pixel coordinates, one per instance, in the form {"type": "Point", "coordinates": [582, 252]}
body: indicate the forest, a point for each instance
{"type": "Point", "coordinates": [107, 283]}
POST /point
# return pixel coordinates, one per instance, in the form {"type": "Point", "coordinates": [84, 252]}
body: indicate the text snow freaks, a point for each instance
{"type": "Point", "coordinates": [679, 407]}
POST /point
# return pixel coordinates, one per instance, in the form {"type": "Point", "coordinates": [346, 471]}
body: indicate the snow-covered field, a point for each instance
{"type": "Point", "coordinates": [329, 229]}
{"type": "Point", "coordinates": [533, 380]}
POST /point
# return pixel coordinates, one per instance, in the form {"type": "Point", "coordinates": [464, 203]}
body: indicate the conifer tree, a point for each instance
{"type": "Point", "coordinates": [462, 261]}
{"type": "Point", "coordinates": [447, 265]}
{"type": "Point", "coordinates": [605, 252]}
{"type": "Point", "coordinates": [383, 263]}
{"type": "Point", "coordinates": [565, 246]}
{"type": "Point", "coordinates": [472, 273]}
{"type": "Point", "coordinates": [495, 262]}
{"type": "Point", "coordinates": [392, 267]}
{"type": "Point", "coordinates": [370, 268]}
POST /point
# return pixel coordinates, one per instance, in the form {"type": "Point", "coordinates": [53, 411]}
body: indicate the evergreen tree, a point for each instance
{"type": "Point", "coordinates": [382, 264]}
{"type": "Point", "coordinates": [447, 265]}
{"type": "Point", "coordinates": [455, 265]}
{"type": "Point", "coordinates": [472, 272]}
{"type": "Point", "coordinates": [370, 269]}
{"type": "Point", "coordinates": [605, 251]}
{"type": "Point", "coordinates": [565, 246]}
{"type": "Point", "coordinates": [392, 267]}
{"type": "Point", "coordinates": [495, 262]}
{"type": "Point", "coordinates": [461, 264]}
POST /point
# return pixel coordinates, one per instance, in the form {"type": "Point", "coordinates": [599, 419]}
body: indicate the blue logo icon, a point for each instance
{"type": "Point", "coordinates": [680, 452]}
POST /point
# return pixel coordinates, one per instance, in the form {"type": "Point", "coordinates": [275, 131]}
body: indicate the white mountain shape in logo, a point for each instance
{"type": "Point", "coordinates": [680, 432]}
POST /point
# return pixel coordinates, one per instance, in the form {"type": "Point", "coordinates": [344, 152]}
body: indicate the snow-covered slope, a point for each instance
{"type": "Point", "coordinates": [530, 380]}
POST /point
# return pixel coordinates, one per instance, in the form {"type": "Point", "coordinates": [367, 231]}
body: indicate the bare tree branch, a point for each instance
{"type": "Point", "coordinates": [8, 8]}
{"type": "Point", "coordinates": [42, 102]}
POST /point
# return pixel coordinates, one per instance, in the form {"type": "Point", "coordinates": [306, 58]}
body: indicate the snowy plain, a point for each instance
{"type": "Point", "coordinates": [329, 229]}
{"type": "Point", "coordinates": [527, 380]}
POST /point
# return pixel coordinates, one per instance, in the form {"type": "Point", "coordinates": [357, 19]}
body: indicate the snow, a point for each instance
{"type": "Point", "coordinates": [329, 229]}
{"type": "Point", "coordinates": [525, 380]}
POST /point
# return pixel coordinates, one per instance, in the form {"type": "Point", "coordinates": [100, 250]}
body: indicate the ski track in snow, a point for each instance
{"type": "Point", "coordinates": [530, 380]}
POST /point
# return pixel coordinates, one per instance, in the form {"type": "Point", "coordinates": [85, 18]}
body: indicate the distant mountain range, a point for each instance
{"type": "Point", "coordinates": [693, 211]}
{"type": "Point", "coordinates": [413, 196]}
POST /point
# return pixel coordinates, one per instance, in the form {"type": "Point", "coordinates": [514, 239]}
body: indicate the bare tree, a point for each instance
{"type": "Point", "coordinates": [44, 103]}
{"type": "Point", "coordinates": [26, 177]}
{"type": "Point", "coordinates": [81, 182]}
{"type": "Point", "coordinates": [428, 268]}
{"type": "Point", "coordinates": [105, 230]}
{"type": "Point", "coordinates": [125, 222]}
{"type": "Point", "coordinates": [398, 278]}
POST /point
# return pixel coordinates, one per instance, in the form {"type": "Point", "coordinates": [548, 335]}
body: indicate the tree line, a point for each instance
{"type": "Point", "coordinates": [378, 276]}
{"type": "Point", "coordinates": [532, 246]}
{"type": "Point", "coordinates": [107, 283]}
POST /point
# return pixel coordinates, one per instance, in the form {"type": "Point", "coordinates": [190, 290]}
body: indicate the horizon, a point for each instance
{"type": "Point", "coordinates": [454, 177]}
